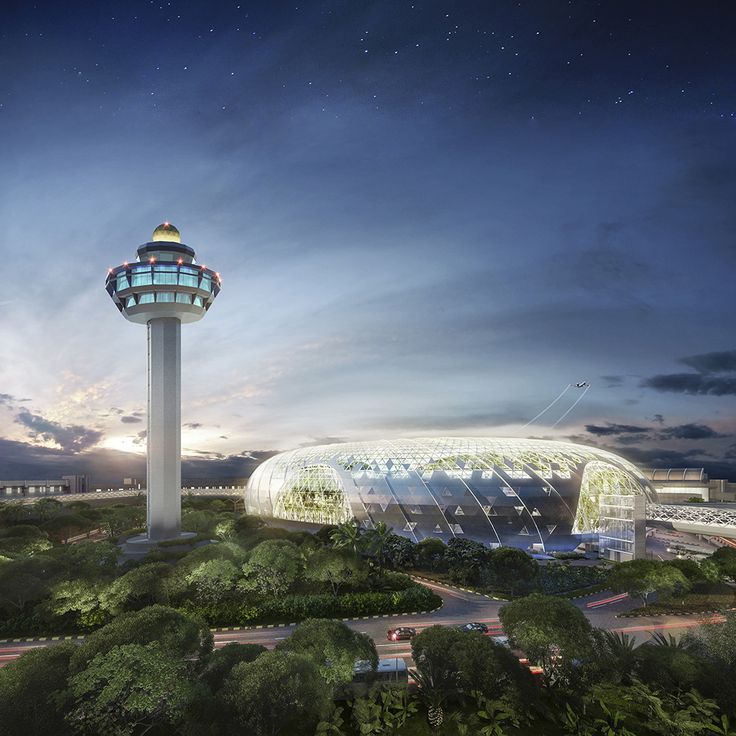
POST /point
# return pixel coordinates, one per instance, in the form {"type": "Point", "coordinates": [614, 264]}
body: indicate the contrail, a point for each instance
{"type": "Point", "coordinates": [549, 406]}
{"type": "Point", "coordinates": [579, 399]}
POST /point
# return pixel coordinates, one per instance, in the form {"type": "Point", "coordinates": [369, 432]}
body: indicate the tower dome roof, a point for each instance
{"type": "Point", "coordinates": [166, 232]}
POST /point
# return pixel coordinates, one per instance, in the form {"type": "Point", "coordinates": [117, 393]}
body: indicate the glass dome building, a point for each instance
{"type": "Point", "coordinates": [532, 494]}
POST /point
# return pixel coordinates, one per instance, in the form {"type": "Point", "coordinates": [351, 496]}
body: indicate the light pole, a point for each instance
{"type": "Point", "coordinates": [161, 289]}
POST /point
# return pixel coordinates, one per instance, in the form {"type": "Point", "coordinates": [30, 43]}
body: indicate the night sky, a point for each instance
{"type": "Point", "coordinates": [429, 217]}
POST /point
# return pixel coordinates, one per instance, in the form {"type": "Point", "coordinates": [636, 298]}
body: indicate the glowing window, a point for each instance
{"type": "Point", "coordinates": [198, 301]}
{"type": "Point", "coordinates": [123, 282]}
{"type": "Point", "coordinates": [184, 298]}
{"type": "Point", "coordinates": [130, 302]}
{"type": "Point", "coordinates": [145, 298]}
{"type": "Point", "coordinates": [206, 283]}
{"type": "Point", "coordinates": [165, 296]}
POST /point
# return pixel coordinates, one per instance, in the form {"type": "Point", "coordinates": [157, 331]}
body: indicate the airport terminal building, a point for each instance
{"type": "Point", "coordinates": [537, 495]}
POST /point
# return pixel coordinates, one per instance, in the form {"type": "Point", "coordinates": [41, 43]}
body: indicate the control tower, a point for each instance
{"type": "Point", "coordinates": [162, 288]}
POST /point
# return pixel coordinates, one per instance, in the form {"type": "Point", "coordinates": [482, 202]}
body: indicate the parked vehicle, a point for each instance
{"type": "Point", "coordinates": [402, 632]}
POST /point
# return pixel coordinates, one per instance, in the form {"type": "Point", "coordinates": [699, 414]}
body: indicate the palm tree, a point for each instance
{"type": "Point", "coordinates": [377, 539]}
{"type": "Point", "coordinates": [433, 694]}
{"type": "Point", "coordinates": [348, 536]}
{"type": "Point", "coordinates": [620, 650]}
{"type": "Point", "coordinates": [666, 640]}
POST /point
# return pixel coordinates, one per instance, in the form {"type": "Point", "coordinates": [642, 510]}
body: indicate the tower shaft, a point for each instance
{"type": "Point", "coordinates": [164, 427]}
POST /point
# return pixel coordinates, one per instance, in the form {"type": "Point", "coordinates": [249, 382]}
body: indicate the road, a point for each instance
{"type": "Point", "coordinates": [459, 607]}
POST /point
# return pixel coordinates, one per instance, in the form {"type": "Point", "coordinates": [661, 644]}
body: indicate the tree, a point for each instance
{"type": "Point", "coordinates": [725, 558]}
{"type": "Point", "coordinates": [376, 541]}
{"type": "Point", "coordinates": [280, 692]}
{"type": "Point", "coordinates": [66, 525]}
{"type": "Point", "coordinates": [173, 631]}
{"type": "Point", "coordinates": [128, 687]}
{"type": "Point", "coordinates": [464, 558]}
{"type": "Point", "coordinates": [492, 670]}
{"type": "Point", "coordinates": [324, 534]}
{"type": "Point", "coordinates": [616, 655]}
{"type": "Point", "coordinates": [18, 587]}
{"type": "Point", "coordinates": [715, 644]}
{"type": "Point", "coordinates": [551, 631]}
{"type": "Point", "coordinates": [213, 580]}
{"type": "Point", "coordinates": [333, 646]}
{"type": "Point", "coordinates": [400, 552]}
{"type": "Point", "coordinates": [430, 553]}
{"type": "Point", "coordinates": [23, 546]}
{"type": "Point", "coordinates": [90, 560]}
{"type": "Point", "coordinates": [273, 567]}
{"type": "Point", "coordinates": [665, 663]}
{"type": "Point", "coordinates": [220, 662]}
{"type": "Point", "coordinates": [80, 599]}
{"type": "Point", "coordinates": [33, 697]}
{"type": "Point", "coordinates": [47, 508]}
{"type": "Point", "coordinates": [140, 587]}
{"type": "Point", "coordinates": [641, 578]}
{"type": "Point", "coordinates": [511, 570]}
{"type": "Point", "coordinates": [348, 536]}
{"type": "Point", "coordinates": [334, 568]}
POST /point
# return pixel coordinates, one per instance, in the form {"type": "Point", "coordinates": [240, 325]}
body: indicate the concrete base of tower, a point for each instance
{"type": "Point", "coordinates": [142, 544]}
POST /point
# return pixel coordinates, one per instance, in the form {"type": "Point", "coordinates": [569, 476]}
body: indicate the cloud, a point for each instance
{"type": "Point", "coordinates": [707, 381]}
{"type": "Point", "coordinates": [130, 419]}
{"type": "Point", "coordinates": [613, 381]}
{"type": "Point", "coordinates": [658, 418]}
{"type": "Point", "coordinates": [718, 362]}
{"type": "Point", "coordinates": [611, 429]}
{"type": "Point", "coordinates": [323, 441]}
{"type": "Point", "coordinates": [690, 431]}
{"type": "Point", "coordinates": [692, 383]}
{"type": "Point", "coordinates": [69, 437]}
{"type": "Point", "coordinates": [107, 467]}
{"type": "Point", "coordinates": [192, 425]}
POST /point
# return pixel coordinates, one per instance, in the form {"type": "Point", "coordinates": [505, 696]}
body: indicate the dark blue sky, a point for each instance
{"type": "Point", "coordinates": [429, 217]}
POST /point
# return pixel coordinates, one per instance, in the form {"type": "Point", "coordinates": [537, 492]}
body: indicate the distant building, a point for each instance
{"type": "Point", "coordinates": [29, 488]}
{"type": "Point", "coordinates": [677, 485]}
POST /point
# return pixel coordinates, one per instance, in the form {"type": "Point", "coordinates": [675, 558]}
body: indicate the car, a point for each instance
{"type": "Point", "coordinates": [402, 632]}
{"type": "Point", "coordinates": [474, 626]}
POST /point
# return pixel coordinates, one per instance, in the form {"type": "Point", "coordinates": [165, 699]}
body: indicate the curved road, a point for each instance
{"type": "Point", "coordinates": [459, 607]}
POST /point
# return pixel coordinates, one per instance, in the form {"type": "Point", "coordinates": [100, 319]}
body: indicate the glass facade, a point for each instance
{"type": "Point", "coordinates": [136, 284]}
{"type": "Point", "coordinates": [532, 494]}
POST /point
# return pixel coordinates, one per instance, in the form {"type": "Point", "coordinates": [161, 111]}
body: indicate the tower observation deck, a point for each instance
{"type": "Point", "coordinates": [163, 288]}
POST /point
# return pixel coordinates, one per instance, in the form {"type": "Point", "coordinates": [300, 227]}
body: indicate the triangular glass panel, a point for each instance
{"type": "Point", "coordinates": [524, 531]}
{"type": "Point", "coordinates": [457, 528]}
{"type": "Point", "coordinates": [551, 527]}
{"type": "Point", "coordinates": [383, 506]}
{"type": "Point", "coordinates": [371, 492]}
{"type": "Point", "coordinates": [519, 510]}
{"type": "Point", "coordinates": [446, 492]}
{"type": "Point", "coordinates": [437, 529]}
{"type": "Point", "coordinates": [535, 512]}
{"type": "Point", "coordinates": [489, 511]}
{"type": "Point", "coordinates": [459, 511]}
{"type": "Point", "coordinates": [410, 526]}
